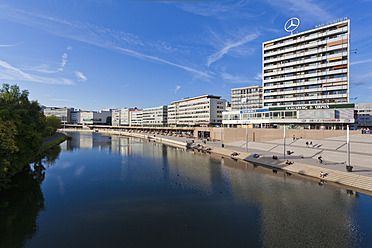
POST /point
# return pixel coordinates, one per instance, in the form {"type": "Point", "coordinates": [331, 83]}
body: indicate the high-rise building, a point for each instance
{"type": "Point", "coordinates": [310, 67]}
{"type": "Point", "coordinates": [202, 110]}
{"type": "Point", "coordinates": [246, 98]}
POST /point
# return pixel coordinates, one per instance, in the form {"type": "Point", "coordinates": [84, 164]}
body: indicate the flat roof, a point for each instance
{"type": "Point", "coordinates": [198, 97]}
{"type": "Point", "coordinates": [248, 87]}
{"type": "Point", "coordinates": [305, 32]}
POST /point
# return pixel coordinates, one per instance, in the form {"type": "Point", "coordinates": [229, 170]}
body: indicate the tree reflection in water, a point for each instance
{"type": "Point", "coordinates": [20, 205]}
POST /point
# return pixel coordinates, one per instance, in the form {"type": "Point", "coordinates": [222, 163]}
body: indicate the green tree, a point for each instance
{"type": "Point", "coordinates": [22, 125]}
{"type": "Point", "coordinates": [52, 124]}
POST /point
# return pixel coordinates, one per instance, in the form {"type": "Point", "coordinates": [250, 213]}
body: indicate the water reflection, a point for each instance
{"type": "Point", "coordinates": [112, 191]}
{"type": "Point", "coordinates": [20, 205]}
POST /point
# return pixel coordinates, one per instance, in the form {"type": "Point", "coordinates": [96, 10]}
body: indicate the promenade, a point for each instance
{"type": "Point", "coordinates": [305, 158]}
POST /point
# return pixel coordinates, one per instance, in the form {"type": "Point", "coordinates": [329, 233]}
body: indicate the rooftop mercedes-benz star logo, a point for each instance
{"type": "Point", "coordinates": [292, 24]}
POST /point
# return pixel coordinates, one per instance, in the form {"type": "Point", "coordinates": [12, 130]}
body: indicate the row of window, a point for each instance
{"type": "Point", "coordinates": [316, 39]}
{"type": "Point", "coordinates": [340, 100]}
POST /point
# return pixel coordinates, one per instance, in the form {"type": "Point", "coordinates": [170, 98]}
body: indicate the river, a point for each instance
{"type": "Point", "coordinates": [102, 191]}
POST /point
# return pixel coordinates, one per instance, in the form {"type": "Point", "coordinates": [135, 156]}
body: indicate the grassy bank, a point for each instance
{"type": "Point", "coordinates": [45, 147]}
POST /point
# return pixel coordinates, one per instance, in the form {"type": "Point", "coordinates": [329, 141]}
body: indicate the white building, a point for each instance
{"type": "Point", "coordinates": [363, 115]}
{"type": "Point", "coordinates": [136, 117]}
{"type": "Point", "coordinates": [120, 117]}
{"type": "Point", "coordinates": [202, 110]}
{"type": "Point", "coordinates": [320, 116]}
{"type": "Point", "coordinates": [246, 98]}
{"type": "Point", "coordinates": [64, 114]}
{"type": "Point", "coordinates": [115, 120]}
{"type": "Point", "coordinates": [310, 67]}
{"type": "Point", "coordinates": [156, 117]}
{"type": "Point", "coordinates": [125, 116]}
{"type": "Point", "coordinates": [93, 117]}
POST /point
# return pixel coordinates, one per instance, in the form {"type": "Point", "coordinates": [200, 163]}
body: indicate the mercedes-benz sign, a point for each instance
{"type": "Point", "coordinates": [292, 24]}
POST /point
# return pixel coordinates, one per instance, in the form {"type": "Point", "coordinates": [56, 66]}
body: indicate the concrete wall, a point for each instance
{"type": "Point", "coordinates": [262, 135]}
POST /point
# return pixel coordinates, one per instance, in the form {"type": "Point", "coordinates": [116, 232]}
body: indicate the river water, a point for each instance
{"type": "Point", "coordinates": [102, 191]}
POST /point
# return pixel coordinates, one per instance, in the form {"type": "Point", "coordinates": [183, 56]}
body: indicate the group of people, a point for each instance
{"type": "Point", "coordinates": [309, 144]}
{"type": "Point", "coordinates": [322, 174]}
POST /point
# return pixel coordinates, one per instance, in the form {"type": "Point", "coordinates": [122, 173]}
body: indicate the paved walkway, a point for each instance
{"type": "Point", "coordinates": [333, 150]}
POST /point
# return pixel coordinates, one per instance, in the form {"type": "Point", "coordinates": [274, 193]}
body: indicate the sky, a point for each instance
{"type": "Point", "coordinates": [99, 54]}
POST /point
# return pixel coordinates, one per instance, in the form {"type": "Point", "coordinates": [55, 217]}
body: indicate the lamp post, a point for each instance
{"type": "Point", "coordinates": [221, 135]}
{"type": "Point", "coordinates": [246, 137]}
{"type": "Point", "coordinates": [284, 141]}
{"type": "Point", "coordinates": [348, 146]}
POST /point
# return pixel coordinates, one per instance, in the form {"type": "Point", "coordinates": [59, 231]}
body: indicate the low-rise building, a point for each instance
{"type": "Point", "coordinates": [322, 116]}
{"type": "Point", "coordinates": [95, 117]}
{"type": "Point", "coordinates": [246, 98]}
{"type": "Point", "coordinates": [156, 117]}
{"type": "Point", "coordinates": [64, 114]}
{"type": "Point", "coordinates": [363, 115]}
{"type": "Point", "coordinates": [136, 117]}
{"type": "Point", "coordinates": [197, 111]}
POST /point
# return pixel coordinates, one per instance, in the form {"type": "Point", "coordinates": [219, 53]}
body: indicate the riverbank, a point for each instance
{"type": "Point", "coordinates": [51, 142]}
{"type": "Point", "coordinates": [335, 172]}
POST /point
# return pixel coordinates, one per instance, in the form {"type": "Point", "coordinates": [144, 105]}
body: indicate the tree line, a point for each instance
{"type": "Point", "coordinates": [23, 127]}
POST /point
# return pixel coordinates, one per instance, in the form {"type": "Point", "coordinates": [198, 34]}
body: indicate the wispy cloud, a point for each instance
{"type": "Point", "coordinates": [9, 72]}
{"type": "Point", "coordinates": [304, 8]}
{"type": "Point", "coordinates": [218, 9]}
{"type": "Point", "coordinates": [10, 45]}
{"type": "Point", "coordinates": [80, 76]}
{"type": "Point", "coordinates": [62, 100]}
{"type": "Point", "coordinates": [258, 76]}
{"type": "Point", "coordinates": [177, 88]}
{"type": "Point", "coordinates": [228, 46]}
{"type": "Point", "coordinates": [236, 79]}
{"type": "Point", "coordinates": [44, 68]}
{"type": "Point", "coordinates": [64, 61]}
{"type": "Point", "coordinates": [119, 41]}
{"type": "Point", "coordinates": [361, 62]}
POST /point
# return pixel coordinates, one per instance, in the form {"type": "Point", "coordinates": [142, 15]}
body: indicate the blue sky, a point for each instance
{"type": "Point", "coordinates": [95, 54]}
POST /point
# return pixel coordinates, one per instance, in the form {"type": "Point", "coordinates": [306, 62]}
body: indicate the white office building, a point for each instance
{"type": "Point", "coordinates": [246, 98]}
{"type": "Point", "coordinates": [120, 117]}
{"type": "Point", "coordinates": [94, 117]}
{"type": "Point", "coordinates": [115, 120]}
{"type": "Point", "coordinates": [310, 67]}
{"type": "Point", "coordinates": [320, 116]}
{"type": "Point", "coordinates": [64, 114]}
{"type": "Point", "coordinates": [155, 117]}
{"type": "Point", "coordinates": [200, 111]}
{"type": "Point", "coordinates": [363, 115]}
{"type": "Point", "coordinates": [136, 117]}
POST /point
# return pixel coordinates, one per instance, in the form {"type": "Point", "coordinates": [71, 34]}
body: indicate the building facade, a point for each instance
{"type": "Point", "coordinates": [202, 110]}
{"type": "Point", "coordinates": [246, 98]}
{"type": "Point", "coordinates": [93, 117]}
{"type": "Point", "coordinates": [363, 115]}
{"type": "Point", "coordinates": [115, 119]}
{"type": "Point", "coordinates": [320, 116]}
{"type": "Point", "coordinates": [310, 67]}
{"type": "Point", "coordinates": [64, 114]}
{"type": "Point", "coordinates": [156, 117]}
{"type": "Point", "coordinates": [136, 117]}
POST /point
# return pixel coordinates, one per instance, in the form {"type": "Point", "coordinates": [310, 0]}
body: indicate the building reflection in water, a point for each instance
{"type": "Point", "coordinates": [293, 212]}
